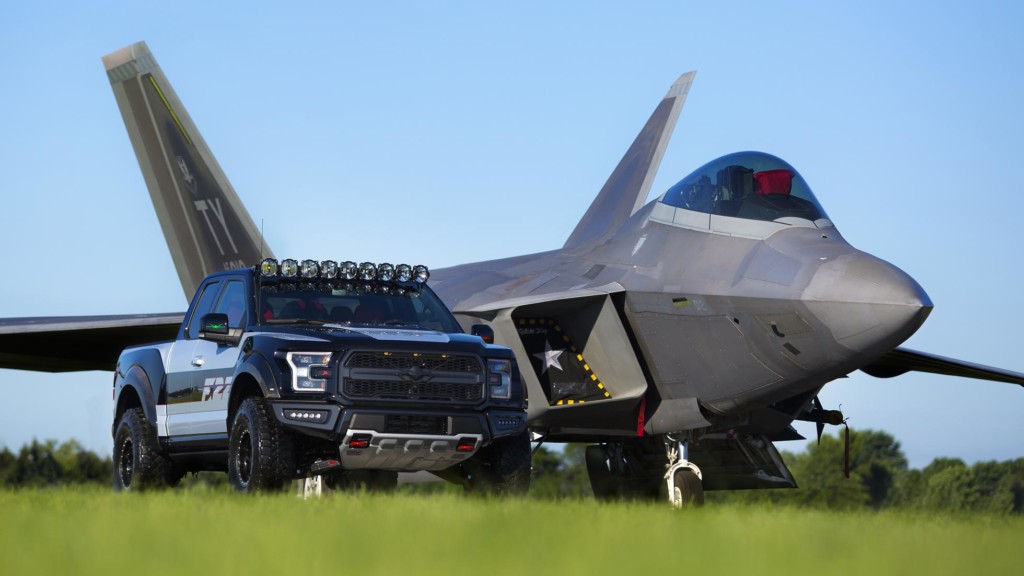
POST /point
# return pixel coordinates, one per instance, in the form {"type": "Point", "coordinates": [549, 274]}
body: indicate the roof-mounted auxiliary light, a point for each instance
{"type": "Point", "coordinates": [347, 270]}
{"type": "Point", "coordinates": [421, 273]}
{"type": "Point", "coordinates": [367, 271]}
{"type": "Point", "coordinates": [289, 268]}
{"type": "Point", "coordinates": [403, 272]}
{"type": "Point", "coordinates": [268, 267]}
{"type": "Point", "coordinates": [309, 269]}
{"type": "Point", "coordinates": [292, 269]}
{"type": "Point", "coordinates": [328, 269]}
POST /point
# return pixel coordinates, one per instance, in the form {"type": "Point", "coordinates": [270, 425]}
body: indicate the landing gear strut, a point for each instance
{"type": "Point", "coordinates": [640, 468]}
{"type": "Point", "coordinates": [685, 489]}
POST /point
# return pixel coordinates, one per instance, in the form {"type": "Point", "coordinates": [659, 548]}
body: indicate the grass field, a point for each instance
{"type": "Point", "coordinates": [95, 531]}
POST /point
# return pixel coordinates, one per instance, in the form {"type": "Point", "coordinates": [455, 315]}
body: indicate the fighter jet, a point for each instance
{"type": "Point", "coordinates": [685, 334]}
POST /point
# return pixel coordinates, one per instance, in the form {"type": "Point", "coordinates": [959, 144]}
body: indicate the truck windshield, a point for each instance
{"type": "Point", "coordinates": [352, 306]}
{"type": "Point", "coordinates": [751, 185]}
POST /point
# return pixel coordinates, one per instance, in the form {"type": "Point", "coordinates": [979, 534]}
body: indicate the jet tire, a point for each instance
{"type": "Point", "coordinates": [689, 492]}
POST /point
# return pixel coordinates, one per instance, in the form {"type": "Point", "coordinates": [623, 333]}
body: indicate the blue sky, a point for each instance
{"type": "Point", "coordinates": [460, 132]}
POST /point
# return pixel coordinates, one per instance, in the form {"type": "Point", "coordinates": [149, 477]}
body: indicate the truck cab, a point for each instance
{"type": "Point", "coordinates": [292, 369]}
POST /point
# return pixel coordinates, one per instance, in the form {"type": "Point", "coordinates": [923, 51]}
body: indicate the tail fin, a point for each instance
{"type": "Point", "coordinates": [206, 226]}
{"type": "Point", "coordinates": [626, 189]}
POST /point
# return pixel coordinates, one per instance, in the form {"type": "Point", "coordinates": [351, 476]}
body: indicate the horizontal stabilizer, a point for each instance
{"type": "Point", "coordinates": [627, 188]}
{"type": "Point", "coordinates": [205, 224]}
{"type": "Point", "coordinates": [901, 360]}
{"type": "Point", "coordinates": [74, 343]}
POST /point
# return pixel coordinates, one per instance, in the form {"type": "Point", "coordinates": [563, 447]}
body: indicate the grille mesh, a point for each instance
{"type": "Point", "coordinates": [379, 360]}
{"type": "Point", "coordinates": [412, 390]}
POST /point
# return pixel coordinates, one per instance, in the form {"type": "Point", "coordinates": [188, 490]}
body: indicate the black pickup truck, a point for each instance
{"type": "Point", "coordinates": [296, 369]}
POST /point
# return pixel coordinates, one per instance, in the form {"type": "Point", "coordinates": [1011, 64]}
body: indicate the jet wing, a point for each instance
{"type": "Point", "coordinates": [903, 360]}
{"type": "Point", "coordinates": [74, 343]}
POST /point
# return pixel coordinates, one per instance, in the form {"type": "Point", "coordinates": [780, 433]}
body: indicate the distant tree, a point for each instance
{"type": "Point", "coordinates": [36, 465]}
{"type": "Point", "coordinates": [877, 461]}
{"type": "Point", "coordinates": [7, 461]}
{"type": "Point", "coordinates": [80, 466]}
{"type": "Point", "coordinates": [819, 473]}
{"type": "Point", "coordinates": [950, 488]}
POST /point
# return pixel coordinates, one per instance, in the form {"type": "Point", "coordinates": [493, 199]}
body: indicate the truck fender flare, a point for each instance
{"type": "Point", "coordinates": [138, 379]}
{"type": "Point", "coordinates": [256, 367]}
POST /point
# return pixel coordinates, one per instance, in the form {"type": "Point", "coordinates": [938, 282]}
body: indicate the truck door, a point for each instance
{"type": "Point", "coordinates": [201, 370]}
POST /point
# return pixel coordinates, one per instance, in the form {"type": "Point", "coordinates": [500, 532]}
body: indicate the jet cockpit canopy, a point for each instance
{"type": "Point", "coordinates": [749, 185]}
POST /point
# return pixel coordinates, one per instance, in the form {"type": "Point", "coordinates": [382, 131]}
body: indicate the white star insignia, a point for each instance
{"type": "Point", "coordinates": [549, 357]}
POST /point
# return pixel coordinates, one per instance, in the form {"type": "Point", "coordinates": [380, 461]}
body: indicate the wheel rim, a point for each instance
{"type": "Point", "coordinates": [126, 462]}
{"type": "Point", "coordinates": [243, 461]}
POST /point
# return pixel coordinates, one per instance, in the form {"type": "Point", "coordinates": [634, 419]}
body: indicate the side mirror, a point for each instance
{"type": "Point", "coordinates": [214, 323]}
{"type": "Point", "coordinates": [214, 327]}
{"type": "Point", "coordinates": [485, 332]}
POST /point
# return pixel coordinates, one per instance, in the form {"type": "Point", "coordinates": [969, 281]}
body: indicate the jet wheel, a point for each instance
{"type": "Point", "coordinates": [688, 491]}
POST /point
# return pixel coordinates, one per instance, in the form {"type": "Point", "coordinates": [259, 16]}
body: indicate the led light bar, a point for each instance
{"type": "Point", "coordinates": [347, 270]}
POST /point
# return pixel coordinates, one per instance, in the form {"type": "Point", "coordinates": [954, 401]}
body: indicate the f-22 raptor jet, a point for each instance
{"type": "Point", "coordinates": [687, 333]}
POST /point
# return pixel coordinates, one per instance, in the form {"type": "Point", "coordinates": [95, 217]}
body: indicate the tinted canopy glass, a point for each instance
{"type": "Point", "coordinates": [751, 185]}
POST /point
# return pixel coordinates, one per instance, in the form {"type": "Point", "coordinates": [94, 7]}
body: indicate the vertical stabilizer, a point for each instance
{"type": "Point", "coordinates": [627, 188]}
{"type": "Point", "coordinates": [205, 224]}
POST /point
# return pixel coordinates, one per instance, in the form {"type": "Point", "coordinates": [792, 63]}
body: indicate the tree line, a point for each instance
{"type": "Point", "coordinates": [880, 477]}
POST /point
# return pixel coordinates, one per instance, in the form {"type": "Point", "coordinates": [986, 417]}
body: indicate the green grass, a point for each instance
{"type": "Point", "coordinates": [95, 531]}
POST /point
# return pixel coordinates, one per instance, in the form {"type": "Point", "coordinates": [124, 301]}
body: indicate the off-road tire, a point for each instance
{"type": "Point", "coordinates": [260, 453]}
{"type": "Point", "coordinates": [138, 463]}
{"type": "Point", "coordinates": [503, 468]}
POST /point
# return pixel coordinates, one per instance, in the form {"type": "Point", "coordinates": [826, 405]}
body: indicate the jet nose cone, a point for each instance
{"type": "Point", "coordinates": [869, 305]}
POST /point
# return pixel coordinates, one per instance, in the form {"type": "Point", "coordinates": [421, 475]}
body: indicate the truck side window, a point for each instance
{"type": "Point", "coordinates": [202, 308]}
{"type": "Point", "coordinates": [232, 303]}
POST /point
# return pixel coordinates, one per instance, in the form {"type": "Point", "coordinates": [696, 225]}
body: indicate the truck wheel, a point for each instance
{"type": "Point", "coordinates": [260, 454]}
{"type": "Point", "coordinates": [138, 465]}
{"type": "Point", "coordinates": [503, 468]}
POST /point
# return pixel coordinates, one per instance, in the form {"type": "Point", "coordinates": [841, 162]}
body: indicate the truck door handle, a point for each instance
{"type": "Point", "coordinates": [198, 361]}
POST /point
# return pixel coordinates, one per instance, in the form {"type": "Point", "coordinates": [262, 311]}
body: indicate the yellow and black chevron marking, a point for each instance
{"type": "Point", "coordinates": [535, 332]}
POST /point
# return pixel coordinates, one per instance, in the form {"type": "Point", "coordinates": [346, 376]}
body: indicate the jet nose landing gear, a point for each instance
{"type": "Point", "coordinates": [685, 487]}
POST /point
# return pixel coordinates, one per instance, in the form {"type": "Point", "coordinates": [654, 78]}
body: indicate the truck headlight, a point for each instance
{"type": "Point", "coordinates": [499, 378]}
{"type": "Point", "coordinates": [309, 370]}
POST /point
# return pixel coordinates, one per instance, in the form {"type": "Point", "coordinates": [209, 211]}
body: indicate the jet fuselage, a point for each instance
{"type": "Point", "coordinates": [725, 315]}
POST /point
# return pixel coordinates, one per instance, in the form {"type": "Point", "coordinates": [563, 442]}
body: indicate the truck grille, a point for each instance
{"type": "Point", "coordinates": [412, 377]}
{"type": "Point", "coordinates": [399, 390]}
{"type": "Point", "coordinates": [405, 361]}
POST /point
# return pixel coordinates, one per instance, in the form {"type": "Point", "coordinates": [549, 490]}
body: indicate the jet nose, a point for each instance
{"type": "Point", "coordinates": [869, 305]}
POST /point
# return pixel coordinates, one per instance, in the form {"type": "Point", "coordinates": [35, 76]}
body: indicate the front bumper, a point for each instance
{"type": "Point", "coordinates": [399, 438]}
